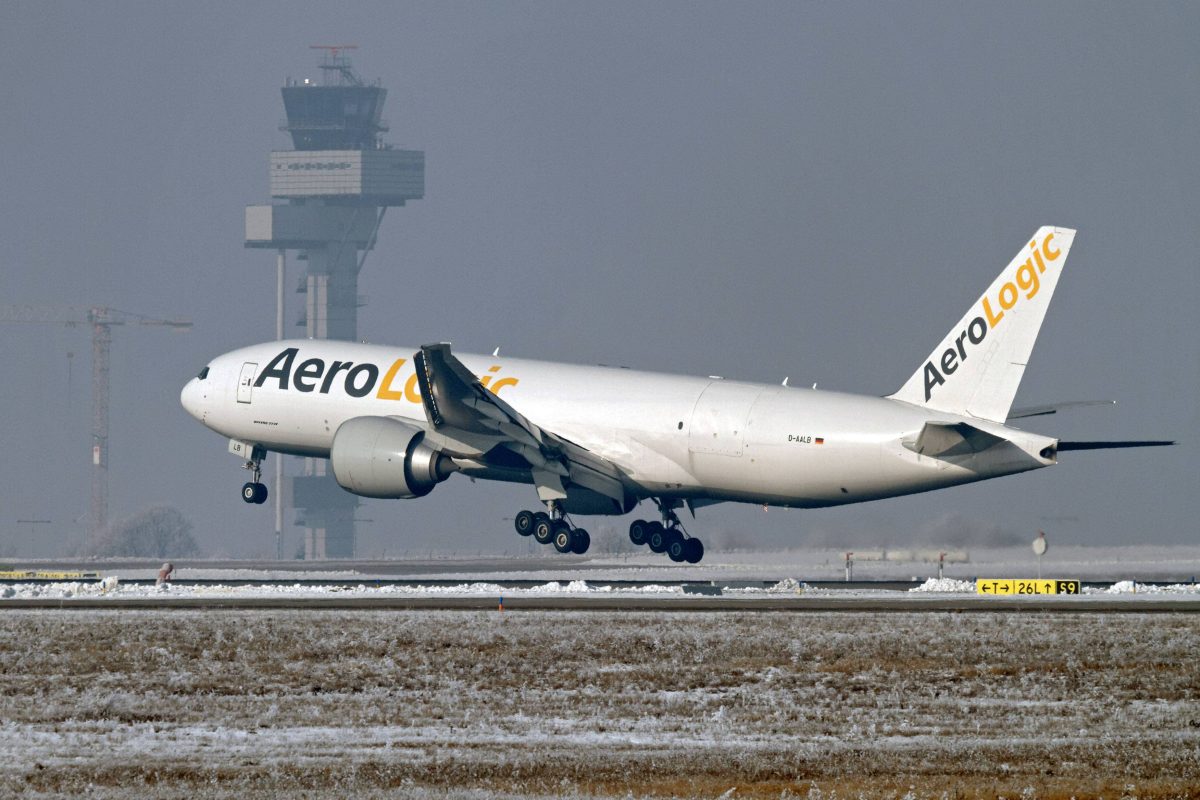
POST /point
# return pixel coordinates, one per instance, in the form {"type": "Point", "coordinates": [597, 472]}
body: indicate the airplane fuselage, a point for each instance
{"type": "Point", "coordinates": [700, 439]}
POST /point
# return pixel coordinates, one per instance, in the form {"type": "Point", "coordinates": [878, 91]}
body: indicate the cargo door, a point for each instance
{"type": "Point", "coordinates": [246, 381]}
{"type": "Point", "coordinates": [720, 418]}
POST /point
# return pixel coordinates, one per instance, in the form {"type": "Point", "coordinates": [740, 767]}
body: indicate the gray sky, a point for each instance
{"type": "Point", "coordinates": [746, 189]}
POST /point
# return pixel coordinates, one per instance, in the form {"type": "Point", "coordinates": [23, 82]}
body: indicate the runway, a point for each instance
{"type": "Point", "coordinates": [580, 595]}
{"type": "Point", "coordinates": [1114, 580]}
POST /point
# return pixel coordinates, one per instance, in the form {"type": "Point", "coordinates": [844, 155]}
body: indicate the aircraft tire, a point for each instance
{"type": "Point", "coordinates": [639, 531]}
{"type": "Point", "coordinates": [254, 493]}
{"type": "Point", "coordinates": [693, 551]}
{"type": "Point", "coordinates": [580, 541]}
{"type": "Point", "coordinates": [563, 538]}
{"type": "Point", "coordinates": [676, 549]}
{"type": "Point", "coordinates": [543, 529]}
{"type": "Point", "coordinates": [657, 539]}
{"type": "Point", "coordinates": [524, 522]}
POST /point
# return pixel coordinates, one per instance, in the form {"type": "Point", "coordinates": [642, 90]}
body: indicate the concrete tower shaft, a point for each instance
{"type": "Point", "coordinates": [331, 193]}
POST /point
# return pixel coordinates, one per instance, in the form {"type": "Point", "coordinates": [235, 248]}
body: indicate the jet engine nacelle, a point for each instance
{"type": "Point", "coordinates": [384, 457]}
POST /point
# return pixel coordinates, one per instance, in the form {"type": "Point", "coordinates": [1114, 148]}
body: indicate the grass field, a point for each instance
{"type": "Point", "coordinates": [228, 704]}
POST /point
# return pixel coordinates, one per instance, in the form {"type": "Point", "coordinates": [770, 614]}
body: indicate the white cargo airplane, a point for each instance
{"type": "Point", "coordinates": [395, 422]}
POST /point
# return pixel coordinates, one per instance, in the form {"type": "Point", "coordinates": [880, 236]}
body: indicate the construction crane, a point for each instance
{"type": "Point", "coordinates": [102, 320]}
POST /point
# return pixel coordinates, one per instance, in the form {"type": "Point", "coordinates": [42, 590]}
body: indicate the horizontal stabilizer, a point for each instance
{"type": "Point", "coordinates": [944, 440]}
{"type": "Point", "coordinates": [1054, 408]}
{"type": "Point", "coordinates": [1064, 446]}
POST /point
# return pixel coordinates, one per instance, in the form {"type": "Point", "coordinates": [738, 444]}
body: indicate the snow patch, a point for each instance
{"type": "Point", "coordinates": [1133, 587]}
{"type": "Point", "coordinates": [111, 587]}
{"type": "Point", "coordinates": [787, 586]}
{"type": "Point", "coordinates": [946, 585]}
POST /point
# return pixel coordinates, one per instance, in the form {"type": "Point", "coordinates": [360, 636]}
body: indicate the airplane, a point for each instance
{"type": "Point", "coordinates": [395, 422]}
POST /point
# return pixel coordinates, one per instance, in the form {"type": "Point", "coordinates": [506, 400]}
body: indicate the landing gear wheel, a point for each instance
{"type": "Point", "coordinates": [543, 529]}
{"type": "Point", "coordinates": [562, 538]}
{"type": "Point", "coordinates": [254, 493]}
{"type": "Point", "coordinates": [524, 522]}
{"type": "Point", "coordinates": [657, 538]}
{"type": "Point", "coordinates": [693, 551]}
{"type": "Point", "coordinates": [639, 531]}
{"type": "Point", "coordinates": [580, 541]}
{"type": "Point", "coordinates": [676, 550]}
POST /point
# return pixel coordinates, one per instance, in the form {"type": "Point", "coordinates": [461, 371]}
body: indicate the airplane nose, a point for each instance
{"type": "Point", "coordinates": [192, 399]}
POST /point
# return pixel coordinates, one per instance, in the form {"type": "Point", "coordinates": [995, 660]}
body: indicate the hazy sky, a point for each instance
{"type": "Point", "coordinates": [746, 189]}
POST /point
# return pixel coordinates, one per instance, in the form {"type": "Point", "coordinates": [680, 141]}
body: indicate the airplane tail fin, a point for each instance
{"type": "Point", "coordinates": [976, 369]}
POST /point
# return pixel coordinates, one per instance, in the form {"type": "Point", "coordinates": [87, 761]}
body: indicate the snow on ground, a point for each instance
{"type": "Point", "coordinates": [777, 573]}
{"type": "Point", "coordinates": [112, 587]}
{"type": "Point", "coordinates": [1142, 563]}
{"type": "Point", "coordinates": [1133, 587]}
{"type": "Point", "coordinates": [950, 585]}
{"type": "Point", "coordinates": [115, 589]}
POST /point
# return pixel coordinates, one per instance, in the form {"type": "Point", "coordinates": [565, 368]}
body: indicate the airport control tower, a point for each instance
{"type": "Point", "coordinates": [329, 195]}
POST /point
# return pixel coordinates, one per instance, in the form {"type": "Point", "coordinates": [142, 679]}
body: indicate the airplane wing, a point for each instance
{"type": "Point", "coordinates": [458, 405]}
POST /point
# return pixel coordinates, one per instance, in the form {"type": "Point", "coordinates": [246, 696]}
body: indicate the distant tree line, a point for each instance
{"type": "Point", "coordinates": [158, 532]}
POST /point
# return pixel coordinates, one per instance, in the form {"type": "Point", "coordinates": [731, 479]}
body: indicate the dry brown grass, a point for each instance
{"type": "Point", "coordinates": [440, 704]}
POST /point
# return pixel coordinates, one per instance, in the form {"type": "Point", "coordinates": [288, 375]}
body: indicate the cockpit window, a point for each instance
{"type": "Point", "coordinates": [203, 374]}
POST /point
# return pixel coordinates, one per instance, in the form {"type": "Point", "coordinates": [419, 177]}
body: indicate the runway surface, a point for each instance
{"type": "Point", "coordinates": [579, 595]}
{"type": "Point", "coordinates": [1115, 580]}
{"type": "Point", "coordinates": [1149, 563]}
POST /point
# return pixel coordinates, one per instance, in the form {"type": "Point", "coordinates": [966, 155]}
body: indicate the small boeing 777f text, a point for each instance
{"type": "Point", "coordinates": [394, 422]}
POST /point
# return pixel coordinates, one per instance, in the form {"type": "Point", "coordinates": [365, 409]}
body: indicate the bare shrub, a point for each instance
{"type": "Point", "coordinates": [158, 532]}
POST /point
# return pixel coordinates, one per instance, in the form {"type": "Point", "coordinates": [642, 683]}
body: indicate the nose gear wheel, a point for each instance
{"type": "Point", "coordinates": [255, 491]}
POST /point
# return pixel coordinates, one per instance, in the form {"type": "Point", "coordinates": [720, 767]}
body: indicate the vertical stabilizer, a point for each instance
{"type": "Point", "coordinates": [976, 369]}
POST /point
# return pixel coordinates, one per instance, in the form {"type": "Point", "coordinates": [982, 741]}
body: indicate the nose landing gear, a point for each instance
{"type": "Point", "coordinates": [667, 536]}
{"type": "Point", "coordinates": [255, 491]}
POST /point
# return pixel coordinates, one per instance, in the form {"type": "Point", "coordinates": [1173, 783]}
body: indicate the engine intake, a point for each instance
{"type": "Point", "coordinates": [384, 457]}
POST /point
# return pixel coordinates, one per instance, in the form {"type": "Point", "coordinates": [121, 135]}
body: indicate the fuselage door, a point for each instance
{"type": "Point", "coordinates": [246, 381]}
{"type": "Point", "coordinates": [720, 417]}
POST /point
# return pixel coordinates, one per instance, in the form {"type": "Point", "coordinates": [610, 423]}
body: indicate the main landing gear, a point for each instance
{"type": "Point", "coordinates": [553, 528]}
{"type": "Point", "coordinates": [255, 491]}
{"type": "Point", "coordinates": [667, 536]}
